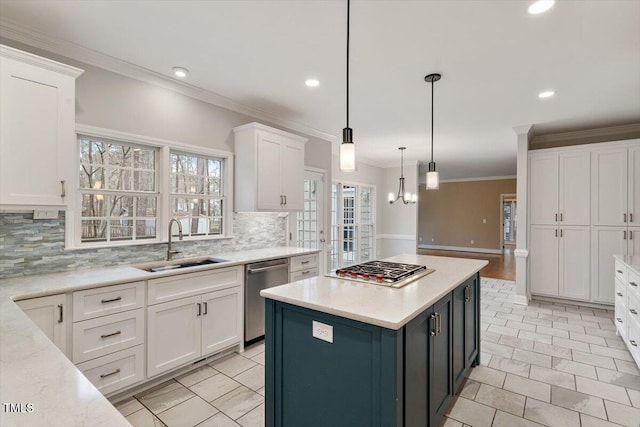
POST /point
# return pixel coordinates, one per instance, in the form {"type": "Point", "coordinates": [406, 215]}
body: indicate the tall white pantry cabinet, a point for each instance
{"type": "Point", "coordinates": [584, 208]}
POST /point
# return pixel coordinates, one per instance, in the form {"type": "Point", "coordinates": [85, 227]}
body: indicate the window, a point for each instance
{"type": "Point", "coordinates": [352, 224]}
{"type": "Point", "coordinates": [118, 191]}
{"type": "Point", "coordinates": [130, 186]}
{"type": "Point", "coordinates": [197, 195]}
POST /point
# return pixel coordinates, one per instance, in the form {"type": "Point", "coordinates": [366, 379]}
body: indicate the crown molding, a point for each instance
{"type": "Point", "coordinates": [479, 178]}
{"type": "Point", "coordinates": [605, 132]}
{"type": "Point", "coordinates": [28, 36]}
{"type": "Point", "coordinates": [39, 61]}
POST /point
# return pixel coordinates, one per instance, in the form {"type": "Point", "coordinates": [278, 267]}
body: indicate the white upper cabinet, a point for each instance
{"type": "Point", "coordinates": [560, 187]}
{"type": "Point", "coordinates": [610, 187]}
{"type": "Point", "coordinates": [37, 129]}
{"type": "Point", "coordinates": [633, 189]}
{"type": "Point", "coordinates": [269, 169]}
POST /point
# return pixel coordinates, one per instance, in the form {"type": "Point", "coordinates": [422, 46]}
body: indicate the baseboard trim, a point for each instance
{"type": "Point", "coordinates": [396, 236]}
{"type": "Point", "coordinates": [460, 249]}
{"type": "Point", "coordinates": [521, 300]}
{"type": "Point", "coordinates": [569, 301]}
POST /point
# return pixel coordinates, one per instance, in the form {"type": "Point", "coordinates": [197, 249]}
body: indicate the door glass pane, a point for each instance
{"type": "Point", "coordinates": [307, 218]}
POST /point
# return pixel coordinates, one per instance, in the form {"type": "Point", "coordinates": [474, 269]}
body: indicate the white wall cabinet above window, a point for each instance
{"type": "Point", "coordinates": [37, 129]}
{"type": "Point", "coordinates": [269, 172]}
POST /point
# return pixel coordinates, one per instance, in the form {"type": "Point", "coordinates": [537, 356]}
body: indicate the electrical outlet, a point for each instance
{"type": "Point", "coordinates": [322, 331]}
{"type": "Point", "coordinates": [472, 242]}
{"type": "Point", "coordinates": [433, 240]}
{"type": "Point", "coordinates": [484, 220]}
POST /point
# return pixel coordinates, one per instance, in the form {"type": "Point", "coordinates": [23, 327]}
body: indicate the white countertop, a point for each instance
{"type": "Point", "coordinates": [390, 308]}
{"type": "Point", "coordinates": [33, 370]}
{"type": "Point", "coordinates": [632, 262]}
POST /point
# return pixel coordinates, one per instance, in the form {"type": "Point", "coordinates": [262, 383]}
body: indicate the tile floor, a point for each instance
{"type": "Point", "coordinates": [544, 364]}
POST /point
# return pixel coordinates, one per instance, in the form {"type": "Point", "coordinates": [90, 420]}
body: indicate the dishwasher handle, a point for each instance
{"type": "Point", "coordinates": [261, 269]}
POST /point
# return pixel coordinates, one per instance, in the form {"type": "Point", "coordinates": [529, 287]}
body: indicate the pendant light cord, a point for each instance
{"type": "Point", "coordinates": [348, 20]}
{"type": "Point", "coordinates": [432, 121]}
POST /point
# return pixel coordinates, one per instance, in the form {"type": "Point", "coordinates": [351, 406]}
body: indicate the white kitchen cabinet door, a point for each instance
{"type": "Point", "coordinates": [544, 264]}
{"type": "Point", "coordinates": [173, 334]}
{"type": "Point", "coordinates": [574, 262]}
{"type": "Point", "coordinates": [270, 170]}
{"type": "Point", "coordinates": [293, 176]}
{"type": "Point", "coordinates": [633, 198]}
{"type": "Point", "coordinates": [221, 320]}
{"type": "Point", "coordinates": [575, 188]}
{"type": "Point", "coordinates": [37, 129]}
{"type": "Point", "coordinates": [49, 314]}
{"type": "Point", "coordinates": [609, 187]}
{"type": "Point", "coordinates": [544, 188]}
{"type": "Point", "coordinates": [633, 241]}
{"type": "Point", "coordinates": [605, 242]}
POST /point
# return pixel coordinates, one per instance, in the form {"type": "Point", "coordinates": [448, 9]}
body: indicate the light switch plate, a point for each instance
{"type": "Point", "coordinates": [322, 331]}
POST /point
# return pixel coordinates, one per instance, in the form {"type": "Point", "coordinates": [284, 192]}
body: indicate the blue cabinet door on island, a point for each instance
{"type": "Point", "coordinates": [360, 374]}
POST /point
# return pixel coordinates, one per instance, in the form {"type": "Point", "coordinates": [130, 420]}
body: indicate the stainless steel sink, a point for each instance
{"type": "Point", "coordinates": [178, 264]}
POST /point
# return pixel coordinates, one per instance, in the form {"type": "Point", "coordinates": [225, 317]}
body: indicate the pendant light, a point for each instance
{"type": "Point", "coordinates": [402, 195]}
{"type": "Point", "coordinates": [433, 178]}
{"type": "Point", "coordinates": [347, 148]}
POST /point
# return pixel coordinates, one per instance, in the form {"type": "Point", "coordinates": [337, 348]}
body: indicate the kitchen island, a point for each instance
{"type": "Point", "coordinates": [345, 353]}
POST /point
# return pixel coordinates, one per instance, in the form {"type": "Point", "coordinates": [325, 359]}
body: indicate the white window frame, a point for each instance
{"type": "Point", "coordinates": [357, 224]}
{"type": "Point", "coordinates": [73, 228]}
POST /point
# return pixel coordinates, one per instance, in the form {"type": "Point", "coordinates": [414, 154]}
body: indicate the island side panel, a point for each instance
{"type": "Point", "coordinates": [354, 380]}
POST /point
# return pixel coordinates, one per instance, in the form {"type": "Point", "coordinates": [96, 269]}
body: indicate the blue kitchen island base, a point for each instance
{"type": "Point", "coordinates": [353, 373]}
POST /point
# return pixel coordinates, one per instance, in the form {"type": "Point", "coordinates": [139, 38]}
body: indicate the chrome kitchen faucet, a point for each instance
{"type": "Point", "coordinates": [170, 253]}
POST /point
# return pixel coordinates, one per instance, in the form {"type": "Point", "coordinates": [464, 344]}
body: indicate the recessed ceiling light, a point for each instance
{"type": "Point", "coordinates": [540, 6]}
{"type": "Point", "coordinates": [546, 94]}
{"type": "Point", "coordinates": [312, 82]}
{"type": "Point", "coordinates": [180, 72]}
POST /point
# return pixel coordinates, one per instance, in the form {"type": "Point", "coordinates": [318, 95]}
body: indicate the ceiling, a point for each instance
{"type": "Point", "coordinates": [493, 56]}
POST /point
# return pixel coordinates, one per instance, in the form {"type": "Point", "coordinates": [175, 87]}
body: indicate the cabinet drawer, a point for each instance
{"type": "Point", "coordinates": [620, 271]}
{"type": "Point", "coordinates": [621, 292]}
{"type": "Point", "coordinates": [633, 342]}
{"type": "Point", "coordinates": [107, 300]}
{"type": "Point", "coordinates": [304, 274]}
{"type": "Point", "coordinates": [620, 319]}
{"type": "Point", "coordinates": [303, 262]}
{"type": "Point", "coordinates": [115, 371]}
{"type": "Point", "coordinates": [633, 310]}
{"type": "Point", "coordinates": [98, 337]}
{"type": "Point", "coordinates": [185, 285]}
{"type": "Point", "coordinates": [634, 283]}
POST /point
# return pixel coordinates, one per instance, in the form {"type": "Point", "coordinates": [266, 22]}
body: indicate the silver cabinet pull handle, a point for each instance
{"type": "Point", "coordinates": [305, 272]}
{"type": "Point", "coordinates": [633, 343]}
{"type": "Point", "coordinates": [199, 309]}
{"type": "Point", "coordinates": [633, 284]}
{"type": "Point", "coordinates": [633, 311]}
{"type": "Point", "coordinates": [117, 371]}
{"type": "Point", "coordinates": [285, 199]}
{"type": "Point", "coordinates": [305, 262]}
{"type": "Point", "coordinates": [434, 321]}
{"type": "Point", "coordinates": [630, 235]}
{"type": "Point", "coordinates": [619, 294]}
{"type": "Point", "coordinates": [560, 217]}
{"type": "Point", "coordinates": [112, 334]}
{"type": "Point", "coordinates": [624, 217]}
{"type": "Point", "coordinates": [206, 308]}
{"type": "Point", "coordinates": [439, 323]}
{"type": "Point", "coordinates": [619, 271]}
{"type": "Point", "coordinates": [619, 319]}
{"type": "Point", "coordinates": [105, 301]}
{"type": "Point", "coordinates": [561, 232]}
{"type": "Point", "coordinates": [624, 235]}
{"type": "Point", "coordinates": [60, 313]}
{"type": "Point", "coordinates": [556, 232]}
{"type": "Point", "coordinates": [63, 191]}
{"type": "Point", "coordinates": [556, 217]}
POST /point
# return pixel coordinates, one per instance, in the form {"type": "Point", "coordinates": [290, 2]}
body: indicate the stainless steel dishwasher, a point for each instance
{"type": "Point", "coordinates": [259, 276]}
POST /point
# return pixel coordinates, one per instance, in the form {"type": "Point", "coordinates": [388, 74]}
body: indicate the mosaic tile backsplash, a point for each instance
{"type": "Point", "coordinates": [29, 246]}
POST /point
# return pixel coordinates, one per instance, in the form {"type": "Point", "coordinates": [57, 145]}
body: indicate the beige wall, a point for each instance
{"type": "Point", "coordinates": [453, 215]}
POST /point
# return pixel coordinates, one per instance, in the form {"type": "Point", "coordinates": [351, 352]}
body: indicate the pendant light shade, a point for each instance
{"type": "Point", "coordinates": [432, 178]}
{"type": "Point", "coordinates": [347, 148]}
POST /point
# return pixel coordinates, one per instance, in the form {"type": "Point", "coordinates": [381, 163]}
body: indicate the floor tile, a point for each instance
{"type": "Point", "coordinates": [197, 375]}
{"type": "Point", "coordinates": [550, 415]}
{"type": "Point", "coordinates": [450, 422]}
{"type": "Point", "coordinates": [252, 377]}
{"type": "Point", "coordinates": [523, 326]}
{"type": "Point", "coordinates": [144, 418]}
{"type": "Point", "coordinates": [259, 358]}
{"type": "Point", "coordinates": [214, 387]}
{"type": "Point", "coordinates": [164, 396]}
{"type": "Point", "coordinates": [470, 389]}
{"type": "Point", "coordinates": [552, 350]}
{"type": "Point", "coordinates": [527, 387]}
{"type": "Point", "coordinates": [218, 420]}
{"type": "Point", "coordinates": [493, 320]}
{"type": "Point", "coordinates": [520, 343]}
{"type": "Point", "coordinates": [538, 322]}
{"type": "Point", "coordinates": [238, 402]}
{"type": "Point", "coordinates": [615, 343]}
{"type": "Point", "coordinates": [600, 332]}
{"type": "Point", "coordinates": [487, 336]}
{"type": "Point", "coordinates": [553, 377]}
{"type": "Point", "coordinates": [472, 413]}
{"type": "Point", "coordinates": [634, 396]}
{"type": "Point", "coordinates": [503, 419]}
{"type": "Point", "coordinates": [535, 337]}
{"type": "Point", "coordinates": [232, 366]}
{"type": "Point", "coordinates": [503, 330]}
{"type": "Point", "coordinates": [593, 359]}
{"type": "Point", "coordinates": [626, 366]}
{"type": "Point", "coordinates": [486, 375]}
{"type": "Point", "coordinates": [611, 352]}
{"type": "Point", "coordinates": [255, 418]}
{"type": "Point", "coordinates": [570, 344]}
{"type": "Point", "coordinates": [589, 421]}
{"type": "Point", "coordinates": [619, 378]}
{"type": "Point", "coordinates": [497, 349]}
{"type": "Point", "coordinates": [606, 391]}
{"type": "Point", "coordinates": [577, 401]}
{"type": "Point", "coordinates": [501, 399]}
{"type": "Point", "coordinates": [532, 358]}
{"type": "Point", "coordinates": [261, 391]}
{"type": "Point", "coordinates": [622, 414]}
{"type": "Point", "coordinates": [510, 365]}
{"type": "Point", "coordinates": [509, 316]}
{"type": "Point", "coordinates": [128, 406]}
{"type": "Point", "coordinates": [575, 368]}
{"type": "Point", "coordinates": [591, 339]}
{"type": "Point", "coordinates": [551, 331]}
{"type": "Point", "coordinates": [253, 350]}
{"type": "Point", "coordinates": [188, 413]}
{"type": "Point", "coordinates": [567, 327]}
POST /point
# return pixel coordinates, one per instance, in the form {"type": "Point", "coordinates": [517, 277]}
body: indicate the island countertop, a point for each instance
{"type": "Point", "coordinates": [390, 308]}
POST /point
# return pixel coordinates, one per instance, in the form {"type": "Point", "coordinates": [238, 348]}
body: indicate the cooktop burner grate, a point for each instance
{"type": "Point", "coordinates": [382, 271]}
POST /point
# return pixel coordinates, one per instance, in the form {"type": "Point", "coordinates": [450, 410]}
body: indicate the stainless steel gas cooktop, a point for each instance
{"type": "Point", "coordinates": [392, 274]}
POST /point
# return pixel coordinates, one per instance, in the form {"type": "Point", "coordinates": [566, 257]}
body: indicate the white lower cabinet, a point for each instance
{"type": "Point", "coordinates": [302, 267]}
{"type": "Point", "coordinates": [560, 261]}
{"type": "Point", "coordinates": [48, 313]}
{"type": "Point", "coordinates": [607, 241]}
{"type": "Point", "coordinates": [627, 303]}
{"type": "Point", "coordinates": [185, 329]}
{"type": "Point", "coordinates": [115, 371]}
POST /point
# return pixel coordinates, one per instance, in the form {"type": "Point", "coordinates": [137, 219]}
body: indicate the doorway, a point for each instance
{"type": "Point", "coordinates": [508, 214]}
{"type": "Point", "coordinates": [307, 226]}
